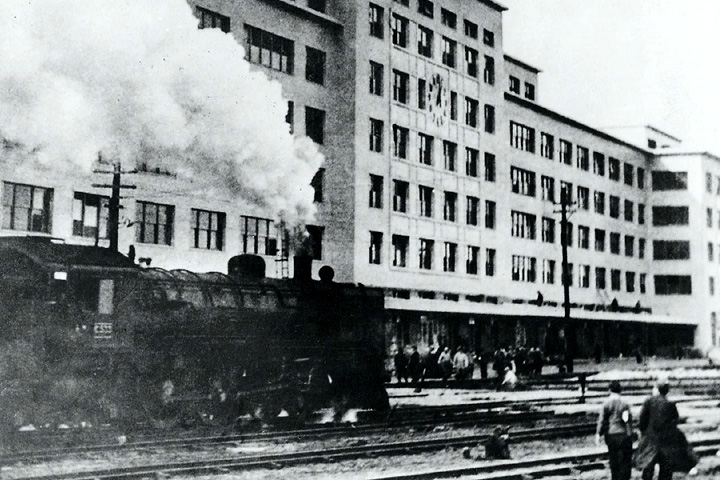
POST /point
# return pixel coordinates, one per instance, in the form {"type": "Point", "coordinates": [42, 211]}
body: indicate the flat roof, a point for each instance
{"type": "Point", "coordinates": [679, 153]}
{"type": "Point", "coordinates": [573, 123]}
{"type": "Point", "coordinates": [521, 64]}
{"type": "Point", "coordinates": [494, 5]}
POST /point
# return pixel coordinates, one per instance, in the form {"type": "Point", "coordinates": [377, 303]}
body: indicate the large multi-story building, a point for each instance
{"type": "Point", "coordinates": [443, 184]}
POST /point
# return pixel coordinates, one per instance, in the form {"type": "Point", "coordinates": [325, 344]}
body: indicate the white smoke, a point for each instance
{"type": "Point", "coordinates": [138, 81]}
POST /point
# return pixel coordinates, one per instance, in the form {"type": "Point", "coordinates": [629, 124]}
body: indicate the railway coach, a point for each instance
{"type": "Point", "coordinates": [89, 336]}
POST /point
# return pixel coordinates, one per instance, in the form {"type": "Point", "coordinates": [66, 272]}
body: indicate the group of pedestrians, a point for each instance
{"type": "Point", "coordinates": [661, 442]}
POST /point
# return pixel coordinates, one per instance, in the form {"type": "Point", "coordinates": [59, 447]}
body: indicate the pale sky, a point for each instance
{"type": "Point", "coordinates": [625, 62]}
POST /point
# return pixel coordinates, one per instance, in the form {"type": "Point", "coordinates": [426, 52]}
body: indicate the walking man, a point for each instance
{"type": "Point", "coordinates": [615, 423]}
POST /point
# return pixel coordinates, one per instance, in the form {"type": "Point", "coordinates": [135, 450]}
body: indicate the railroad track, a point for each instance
{"type": "Point", "coordinates": [455, 417]}
{"type": "Point", "coordinates": [556, 465]}
{"type": "Point", "coordinates": [229, 464]}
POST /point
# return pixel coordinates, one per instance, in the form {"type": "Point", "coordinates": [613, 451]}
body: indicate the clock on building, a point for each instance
{"type": "Point", "coordinates": [437, 100]}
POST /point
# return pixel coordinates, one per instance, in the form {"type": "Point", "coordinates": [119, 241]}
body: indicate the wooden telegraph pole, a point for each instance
{"type": "Point", "coordinates": [569, 326]}
{"type": "Point", "coordinates": [114, 205]}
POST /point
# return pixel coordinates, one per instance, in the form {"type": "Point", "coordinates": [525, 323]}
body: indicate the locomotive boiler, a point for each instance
{"type": "Point", "coordinates": [89, 336]}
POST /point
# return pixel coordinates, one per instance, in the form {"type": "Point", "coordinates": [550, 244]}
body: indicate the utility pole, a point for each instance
{"type": "Point", "coordinates": [114, 205]}
{"type": "Point", "coordinates": [569, 331]}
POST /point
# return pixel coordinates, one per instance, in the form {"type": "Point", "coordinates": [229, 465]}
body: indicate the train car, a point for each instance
{"type": "Point", "coordinates": [88, 336]}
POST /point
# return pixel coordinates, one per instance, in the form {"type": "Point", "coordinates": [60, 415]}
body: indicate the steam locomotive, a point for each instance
{"type": "Point", "coordinates": [88, 336]}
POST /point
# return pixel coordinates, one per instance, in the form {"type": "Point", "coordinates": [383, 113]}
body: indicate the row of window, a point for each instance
{"type": "Point", "coordinates": [514, 87]}
{"type": "Point", "coordinates": [523, 137]}
{"type": "Point", "coordinates": [29, 208]}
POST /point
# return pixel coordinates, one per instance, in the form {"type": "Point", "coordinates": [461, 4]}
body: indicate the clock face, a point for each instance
{"type": "Point", "coordinates": [437, 100]}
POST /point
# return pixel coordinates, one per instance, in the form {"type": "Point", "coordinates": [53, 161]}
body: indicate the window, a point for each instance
{"type": "Point", "coordinates": [471, 29]}
{"type": "Point", "coordinates": [425, 41]}
{"type": "Point", "coordinates": [489, 71]}
{"type": "Point", "coordinates": [600, 273]}
{"type": "Point", "coordinates": [405, 3]}
{"type": "Point", "coordinates": [599, 240]}
{"type": "Point", "coordinates": [377, 27]}
{"type": "Point", "coordinates": [641, 214]}
{"type": "Point", "coordinates": [400, 141]}
{"type": "Point", "coordinates": [641, 248]}
{"type": "Point", "coordinates": [548, 274]}
{"type": "Point", "coordinates": [583, 158]}
{"type": "Point", "coordinates": [641, 178]}
{"type": "Point", "coordinates": [400, 249]}
{"type": "Point", "coordinates": [630, 282]}
{"type": "Point", "coordinates": [489, 119]}
{"type": "Point", "coordinates": [399, 31]}
{"type": "Point", "coordinates": [425, 145]}
{"type": "Point", "coordinates": [489, 167]}
{"type": "Point", "coordinates": [473, 207]}
{"type": "Point", "coordinates": [548, 188]}
{"type": "Point", "coordinates": [489, 214]}
{"type": "Point", "coordinates": [566, 152]}
{"type": "Point", "coordinates": [154, 223]}
{"type": "Point", "coordinates": [673, 285]}
{"type": "Point", "coordinates": [615, 280]}
{"type": "Point", "coordinates": [317, 183]}
{"type": "Point", "coordinates": [710, 251]}
{"type": "Point", "coordinates": [566, 192]}
{"type": "Point", "coordinates": [315, 124]}
{"type": "Point", "coordinates": [315, 66]}
{"type": "Point", "coordinates": [522, 137]}
{"type": "Point", "coordinates": [567, 276]}
{"type": "Point", "coordinates": [256, 237]}
{"type": "Point", "coordinates": [376, 191]}
{"type": "Point", "coordinates": [426, 254]}
{"type": "Point", "coordinates": [421, 94]}
{"type": "Point", "coordinates": [529, 91]}
{"type": "Point", "coordinates": [450, 156]}
{"type": "Point", "coordinates": [709, 217]}
{"type": "Point", "coordinates": [583, 197]}
{"type": "Point", "coordinates": [708, 182]}
{"type": "Point", "coordinates": [376, 135]}
{"type": "Point", "coordinates": [471, 61]}
{"type": "Point", "coordinates": [547, 145]}
{"type": "Point", "coordinates": [711, 286]}
{"type": "Point", "coordinates": [584, 276]}
{"type": "Point", "coordinates": [628, 172]}
{"type": "Point", "coordinates": [426, 7]}
{"type": "Point", "coordinates": [472, 260]}
{"type": "Point", "coordinates": [523, 225]}
{"type": "Point", "coordinates": [401, 190]}
{"type": "Point", "coordinates": [490, 262]}
{"type": "Point", "coordinates": [667, 215]}
{"type": "Point", "coordinates": [662, 181]}
{"type": "Point", "coordinates": [615, 243]}
{"type": "Point", "coordinates": [629, 245]}
{"type": "Point", "coordinates": [583, 237]}
{"type": "Point", "coordinates": [514, 85]}
{"type": "Point", "coordinates": [375, 249]}
{"type": "Point", "coordinates": [598, 164]}
{"type": "Point", "coordinates": [208, 229]}
{"type": "Point", "coordinates": [449, 48]}
{"type": "Point", "coordinates": [401, 87]}
{"type": "Point", "coordinates": [210, 19]}
{"type": "Point", "coordinates": [450, 257]}
{"type": "Point", "coordinates": [90, 215]}
{"type": "Point", "coordinates": [523, 268]}
{"type": "Point", "coordinates": [316, 240]}
{"type": "Point", "coordinates": [270, 50]}
{"type": "Point", "coordinates": [450, 207]}
{"type": "Point", "coordinates": [453, 106]}
{"type": "Point", "coordinates": [614, 169]}
{"type": "Point", "coordinates": [488, 38]}
{"type": "Point", "coordinates": [471, 162]}
{"type": "Point", "coordinates": [522, 181]}
{"type": "Point", "coordinates": [599, 201]}
{"type": "Point", "coordinates": [671, 250]}
{"type": "Point", "coordinates": [448, 18]}
{"type": "Point", "coordinates": [290, 116]}
{"type": "Point", "coordinates": [426, 201]}
{"type": "Point", "coordinates": [376, 78]}
{"type": "Point", "coordinates": [614, 206]}
{"type": "Point", "coordinates": [471, 112]}
{"type": "Point", "coordinates": [548, 230]}
{"type": "Point", "coordinates": [566, 234]}
{"type": "Point", "coordinates": [628, 211]}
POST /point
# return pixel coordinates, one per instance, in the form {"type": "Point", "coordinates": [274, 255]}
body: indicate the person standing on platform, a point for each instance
{"type": "Point", "coordinates": [615, 424]}
{"type": "Point", "coordinates": [401, 365]}
{"type": "Point", "coordinates": [445, 363]}
{"type": "Point", "coordinates": [662, 442]}
{"type": "Point", "coordinates": [415, 368]}
{"type": "Point", "coordinates": [461, 364]}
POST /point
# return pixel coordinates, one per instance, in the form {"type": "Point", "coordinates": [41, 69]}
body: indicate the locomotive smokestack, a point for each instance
{"type": "Point", "coordinates": [302, 266]}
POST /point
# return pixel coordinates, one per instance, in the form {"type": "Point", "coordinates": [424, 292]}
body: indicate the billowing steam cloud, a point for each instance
{"type": "Point", "coordinates": [137, 81]}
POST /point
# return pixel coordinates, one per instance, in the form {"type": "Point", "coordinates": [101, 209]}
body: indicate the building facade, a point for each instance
{"type": "Point", "coordinates": [443, 183]}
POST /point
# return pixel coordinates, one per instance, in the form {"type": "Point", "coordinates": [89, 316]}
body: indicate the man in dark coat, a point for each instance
{"type": "Point", "coordinates": [401, 364]}
{"type": "Point", "coordinates": [661, 441]}
{"type": "Point", "coordinates": [615, 424]}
